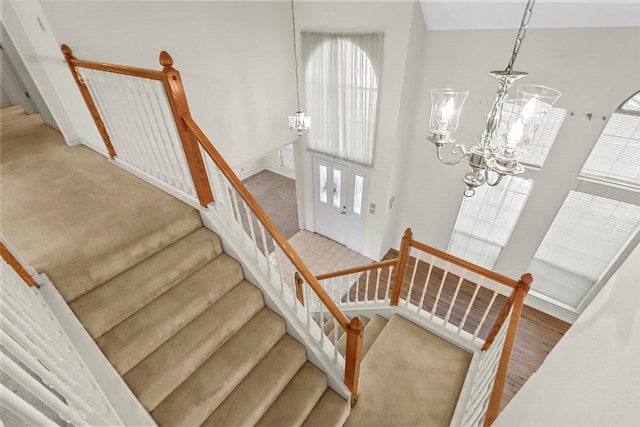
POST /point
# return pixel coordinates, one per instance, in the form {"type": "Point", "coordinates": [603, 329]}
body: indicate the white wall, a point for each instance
{"type": "Point", "coordinates": [592, 376]}
{"type": "Point", "coordinates": [235, 59]}
{"type": "Point", "coordinates": [13, 57]}
{"type": "Point", "coordinates": [27, 25]}
{"type": "Point", "coordinates": [578, 62]}
{"type": "Point", "coordinates": [4, 98]}
{"type": "Point", "coordinates": [394, 19]}
{"type": "Point", "coordinates": [237, 66]}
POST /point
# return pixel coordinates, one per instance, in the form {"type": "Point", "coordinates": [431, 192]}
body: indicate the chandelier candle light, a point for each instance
{"type": "Point", "coordinates": [509, 129]}
{"type": "Point", "coordinates": [298, 123]}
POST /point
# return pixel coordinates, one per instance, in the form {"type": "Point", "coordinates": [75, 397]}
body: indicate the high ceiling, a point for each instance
{"type": "Point", "coordinates": [496, 14]}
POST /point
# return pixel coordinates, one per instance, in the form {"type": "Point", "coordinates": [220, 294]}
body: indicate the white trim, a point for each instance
{"type": "Point", "coordinates": [75, 142]}
{"type": "Point", "coordinates": [127, 407]}
{"type": "Point", "coordinates": [286, 172]}
{"type": "Point", "coordinates": [551, 307]}
{"type": "Point", "coordinates": [45, 58]}
{"type": "Point", "coordinates": [184, 197]}
{"type": "Point", "coordinates": [608, 182]}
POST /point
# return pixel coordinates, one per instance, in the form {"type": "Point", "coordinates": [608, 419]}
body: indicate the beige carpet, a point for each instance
{"type": "Point", "coordinates": [410, 377]}
{"type": "Point", "coordinates": [172, 312]}
{"type": "Point", "coordinates": [54, 198]}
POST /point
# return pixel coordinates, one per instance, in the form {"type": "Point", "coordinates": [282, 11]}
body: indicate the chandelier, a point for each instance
{"type": "Point", "coordinates": [509, 129]}
{"type": "Point", "coordinates": [299, 123]}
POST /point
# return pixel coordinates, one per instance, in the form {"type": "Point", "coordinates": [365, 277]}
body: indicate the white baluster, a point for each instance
{"type": "Point", "coordinates": [173, 137]}
{"type": "Point", "coordinates": [265, 246]}
{"type": "Point", "coordinates": [444, 278]}
{"type": "Point", "coordinates": [14, 404]}
{"type": "Point", "coordinates": [455, 295]}
{"type": "Point", "coordinates": [386, 294]}
{"type": "Point", "coordinates": [486, 312]}
{"type": "Point", "coordinates": [59, 381]}
{"type": "Point", "coordinates": [375, 299]}
{"type": "Point", "coordinates": [366, 286]}
{"type": "Point", "coordinates": [413, 278]}
{"type": "Point", "coordinates": [40, 391]}
{"type": "Point", "coordinates": [473, 298]}
{"type": "Point", "coordinates": [426, 283]}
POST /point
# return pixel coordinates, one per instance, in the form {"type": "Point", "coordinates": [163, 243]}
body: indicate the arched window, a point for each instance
{"type": "Point", "coordinates": [616, 156]}
{"type": "Point", "coordinates": [341, 82]}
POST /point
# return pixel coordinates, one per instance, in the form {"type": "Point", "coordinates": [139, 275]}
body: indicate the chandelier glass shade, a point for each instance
{"type": "Point", "coordinates": [509, 129]}
{"type": "Point", "coordinates": [298, 123]}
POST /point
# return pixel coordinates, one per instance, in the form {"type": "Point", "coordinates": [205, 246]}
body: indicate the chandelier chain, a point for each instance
{"type": "Point", "coordinates": [521, 33]}
{"type": "Point", "coordinates": [295, 54]}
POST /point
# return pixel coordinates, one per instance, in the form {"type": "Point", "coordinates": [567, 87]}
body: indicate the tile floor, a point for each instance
{"type": "Point", "coordinates": [320, 255]}
{"type": "Point", "coordinates": [323, 255]}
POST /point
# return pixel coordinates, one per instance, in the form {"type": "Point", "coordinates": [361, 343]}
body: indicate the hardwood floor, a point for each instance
{"type": "Point", "coordinates": [538, 332]}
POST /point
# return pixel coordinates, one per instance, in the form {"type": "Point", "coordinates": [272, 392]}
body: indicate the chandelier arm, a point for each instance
{"type": "Point", "coordinates": [521, 33]}
{"type": "Point", "coordinates": [486, 178]}
{"type": "Point", "coordinates": [295, 54]}
{"type": "Point", "coordinates": [458, 150]}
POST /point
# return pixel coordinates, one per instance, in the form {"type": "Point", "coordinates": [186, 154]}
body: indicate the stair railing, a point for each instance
{"type": "Point", "coordinates": [144, 119]}
{"type": "Point", "coordinates": [453, 294]}
{"type": "Point", "coordinates": [35, 343]}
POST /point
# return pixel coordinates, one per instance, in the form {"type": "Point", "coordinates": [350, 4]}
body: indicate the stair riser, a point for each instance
{"type": "Point", "coordinates": [193, 345]}
{"type": "Point", "coordinates": [139, 335]}
{"type": "Point", "coordinates": [197, 397]}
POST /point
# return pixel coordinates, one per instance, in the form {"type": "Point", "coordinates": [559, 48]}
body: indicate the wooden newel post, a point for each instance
{"type": "Point", "coordinates": [179, 107]}
{"type": "Point", "coordinates": [299, 281]}
{"type": "Point", "coordinates": [6, 254]}
{"type": "Point", "coordinates": [493, 409]}
{"type": "Point", "coordinates": [86, 95]}
{"type": "Point", "coordinates": [355, 333]}
{"type": "Point", "coordinates": [403, 259]}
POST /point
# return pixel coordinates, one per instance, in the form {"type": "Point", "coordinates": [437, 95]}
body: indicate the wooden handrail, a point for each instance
{"type": "Point", "coordinates": [266, 221]}
{"type": "Point", "coordinates": [496, 277]}
{"type": "Point", "coordinates": [405, 248]}
{"type": "Point", "coordinates": [353, 328]}
{"type": "Point", "coordinates": [192, 138]}
{"type": "Point", "coordinates": [112, 68]}
{"type": "Point", "coordinates": [15, 264]}
{"type": "Point", "coordinates": [503, 367]}
{"type": "Point", "coordinates": [525, 284]}
{"type": "Point", "coordinates": [179, 107]}
{"type": "Point", "coordinates": [360, 269]}
{"type": "Point", "coordinates": [72, 62]}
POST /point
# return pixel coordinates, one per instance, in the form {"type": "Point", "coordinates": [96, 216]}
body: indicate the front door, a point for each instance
{"type": "Point", "coordinates": [330, 199]}
{"type": "Point", "coordinates": [339, 192]}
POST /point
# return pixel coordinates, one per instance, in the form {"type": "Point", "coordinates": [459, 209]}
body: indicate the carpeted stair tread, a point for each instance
{"type": "Point", "coordinates": [253, 396]}
{"type": "Point", "coordinates": [140, 334]}
{"type": "Point", "coordinates": [413, 365]}
{"type": "Point", "coordinates": [330, 411]}
{"type": "Point", "coordinates": [198, 396]}
{"type": "Point", "coordinates": [153, 379]}
{"type": "Point", "coordinates": [298, 398]}
{"type": "Point", "coordinates": [167, 225]}
{"type": "Point", "coordinates": [138, 286]}
{"type": "Point", "coordinates": [372, 332]}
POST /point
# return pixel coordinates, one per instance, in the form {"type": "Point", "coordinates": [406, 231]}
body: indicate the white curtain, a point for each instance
{"type": "Point", "coordinates": [341, 80]}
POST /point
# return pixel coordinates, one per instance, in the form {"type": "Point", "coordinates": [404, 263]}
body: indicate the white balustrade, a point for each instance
{"type": "Point", "coordinates": [484, 378]}
{"type": "Point", "coordinates": [31, 334]}
{"type": "Point", "coordinates": [141, 126]}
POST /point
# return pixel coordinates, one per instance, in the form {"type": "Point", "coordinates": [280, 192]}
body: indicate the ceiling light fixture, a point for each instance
{"type": "Point", "coordinates": [298, 123]}
{"type": "Point", "coordinates": [509, 129]}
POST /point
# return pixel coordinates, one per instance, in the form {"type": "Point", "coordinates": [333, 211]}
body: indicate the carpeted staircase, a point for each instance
{"type": "Point", "coordinates": [197, 346]}
{"type": "Point", "coordinates": [173, 313]}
